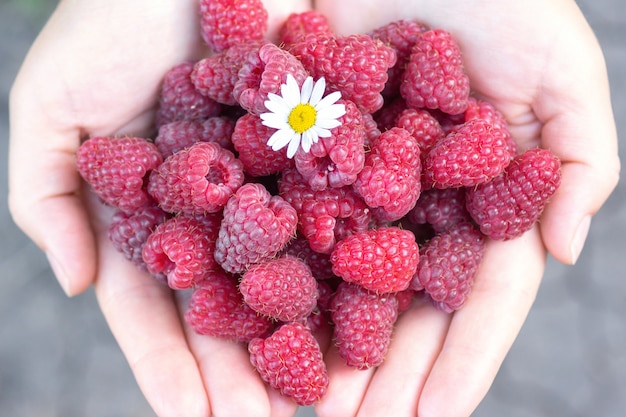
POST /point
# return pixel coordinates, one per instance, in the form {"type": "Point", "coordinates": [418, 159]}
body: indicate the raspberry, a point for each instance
{"type": "Point", "coordinates": [116, 169]}
{"type": "Point", "coordinates": [391, 176]}
{"type": "Point", "coordinates": [448, 264]}
{"type": "Point", "coordinates": [335, 161]}
{"type": "Point", "coordinates": [381, 260]}
{"type": "Point", "coordinates": [282, 288]}
{"type": "Point", "coordinates": [255, 226]}
{"type": "Point", "coordinates": [471, 154]}
{"type": "Point", "coordinates": [318, 262]}
{"type": "Point", "coordinates": [175, 136]}
{"type": "Point", "coordinates": [217, 309]}
{"type": "Point", "coordinates": [434, 77]}
{"type": "Point", "coordinates": [423, 126]}
{"type": "Point", "coordinates": [215, 76]}
{"type": "Point", "coordinates": [363, 324]}
{"type": "Point", "coordinates": [441, 209]}
{"type": "Point", "coordinates": [225, 23]}
{"type": "Point", "coordinates": [400, 35]}
{"type": "Point", "coordinates": [405, 299]}
{"type": "Point", "coordinates": [128, 232]}
{"type": "Point", "coordinates": [179, 99]}
{"type": "Point", "coordinates": [263, 73]}
{"type": "Point", "coordinates": [291, 361]}
{"type": "Point", "coordinates": [356, 65]}
{"type": "Point", "coordinates": [250, 141]}
{"type": "Point", "coordinates": [387, 116]}
{"type": "Point", "coordinates": [371, 129]}
{"type": "Point", "coordinates": [196, 180]}
{"type": "Point", "coordinates": [480, 109]}
{"type": "Point", "coordinates": [511, 203]}
{"type": "Point", "coordinates": [182, 248]}
{"type": "Point", "coordinates": [298, 25]}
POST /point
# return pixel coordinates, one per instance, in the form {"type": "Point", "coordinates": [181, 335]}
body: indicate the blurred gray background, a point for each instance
{"type": "Point", "coordinates": [58, 358]}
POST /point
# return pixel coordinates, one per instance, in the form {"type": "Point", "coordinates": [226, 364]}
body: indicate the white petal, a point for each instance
{"type": "Point", "coordinates": [308, 138]}
{"type": "Point", "coordinates": [290, 91]}
{"type": "Point", "coordinates": [333, 112]}
{"type": "Point", "coordinates": [280, 138]}
{"type": "Point", "coordinates": [322, 133]}
{"type": "Point", "coordinates": [276, 104]}
{"type": "Point", "coordinates": [294, 144]}
{"type": "Point", "coordinates": [328, 100]}
{"type": "Point", "coordinates": [307, 88]}
{"type": "Point", "coordinates": [276, 121]}
{"type": "Point", "coordinates": [318, 91]}
{"type": "Point", "coordinates": [327, 123]}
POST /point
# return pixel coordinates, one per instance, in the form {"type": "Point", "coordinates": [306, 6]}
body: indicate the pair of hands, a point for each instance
{"type": "Point", "coordinates": [96, 69]}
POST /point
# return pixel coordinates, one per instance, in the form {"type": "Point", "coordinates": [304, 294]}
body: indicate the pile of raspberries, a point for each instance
{"type": "Point", "coordinates": [396, 204]}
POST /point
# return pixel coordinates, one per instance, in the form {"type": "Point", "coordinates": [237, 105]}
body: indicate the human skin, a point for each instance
{"type": "Point", "coordinates": [95, 71]}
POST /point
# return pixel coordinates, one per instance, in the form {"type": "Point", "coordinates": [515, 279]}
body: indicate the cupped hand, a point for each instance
{"type": "Point", "coordinates": [539, 63]}
{"type": "Point", "coordinates": [96, 69]}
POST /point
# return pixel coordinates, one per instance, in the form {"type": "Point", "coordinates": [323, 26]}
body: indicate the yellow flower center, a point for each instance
{"type": "Point", "coordinates": [302, 117]}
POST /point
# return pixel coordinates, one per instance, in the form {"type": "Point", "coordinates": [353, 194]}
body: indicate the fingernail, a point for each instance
{"type": "Point", "coordinates": [59, 272]}
{"type": "Point", "coordinates": [580, 236]}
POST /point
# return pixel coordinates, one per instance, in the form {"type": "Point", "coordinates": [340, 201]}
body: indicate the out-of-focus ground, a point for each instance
{"type": "Point", "coordinates": [58, 358]}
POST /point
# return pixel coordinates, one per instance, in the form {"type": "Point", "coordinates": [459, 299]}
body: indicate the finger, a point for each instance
{"type": "Point", "coordinates": [482, 332]}
{"type": "Point", "coordinates": [143, 317]}
{"type": "Point", "coordinates": [418, 337]}
{"type": "Point", "coordinates": [346, 388]}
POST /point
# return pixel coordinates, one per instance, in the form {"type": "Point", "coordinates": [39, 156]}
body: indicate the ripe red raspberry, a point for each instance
{"type": "Point", "coordinates": [441, 209]}
{"type": "Point", "coordinates": [215, 76]}
{"type": "Point", "coordinates": [175, 136]}
{"type": "Point", "coordinates": [282, 288]}
{"type": "Point", "coordinates": [371, 130]}
{"type": "Point", "coordinates": [291, 361]}
{"type": "Point", "coordinates": [298, 25]}
{"type": "Point", "coordinates": [448, 265]}
{"type": "Point", "coordinates": [255, 226]}
{"type": "Point", "coordinates": [387, 116]}
{"type": "Point", "coordinates": [363, 324]}
{"type": "Point", "coordinates": [511, 203]}
{"type": "Point", "coordinates": [179, 99]}
{"type": "Point", "coordinates": [217, 309]}
{"type": "Point", "coordinates": [128, 232]}
{"type": "Point", "coordinates": [116, 169]}
{"type": "Point", "coordinates": [181, 248]}
{"type": "Point", "coordinates": [480, 109]}
{"type": "Point", "coordinates": [405, 299]}
{"type": "Point", "coordinates": [356, 65]}
{"type": "Point", "coordinates": [471, 154]}
{"type": "Point", "coordinates": [250, 141]}
{"type": "Point", "coordinates": [335, 161]}
{"type": "Point", "coordinates": [400, 35]}
{"type": "Point", "coordinates": [435, 77]}
{"type": "Point", "coordinates": [264, 73]}
{"type": "Point", "coordinates": [320, 265]}
{"type": "Point", "coordinates": [423, 126]}
{"type": "Point", "coordinates": [196, 180]}
{"type": "Point", "coordinates": [381, 260]}
{"type": "Point", "coordinates": [225, 23]}
{"type": "Point", "coordinates": [392, 173]}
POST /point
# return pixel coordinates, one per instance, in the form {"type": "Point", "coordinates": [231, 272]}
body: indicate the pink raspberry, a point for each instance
{"type": "Point", "coordinates": [179, 99]}
{"type": "Point", "coordinates": [435, 77]}
{"type": "Point", "coordinates": [320, 265]}
{"type": "Point", "coordinates": [250, 138]}
{"type": "Point", "coordinates": [400, 35]}
{"type": "Point", "coordinates": [441, 209]}
{"type": "Point", "coordinates": [255, 227]}
{"type": "Point", "coordinates": [335, 161]}
{"type": "Point", "coordinates": [128, 232]}
{"type": "Point", "coordinates": [423, 126]}
{"type": "Point", "coordinates": [298, 25]}
{"type": "Point", "coordinates": [381, 260]}
{"type": "Point", "coordinates": [480, 109]}
{"type": "Point", "coordinates": [392, 174]}
{"type": "Point", "coordinates": [511, 203]}
{"type": "Point", "coordinates": [264, 73]}
{"type": "Point", "coordinates": [448, 265]}
{"type": "Point", "coordinates": [405, 299]}
{"type": "Point", "coordinates": [371, 130]}
{"type": "Point", "coordinates": [291, 361]}
{"type": "Point", "coordinates": [356, 65]}
{"type": "Point", "coordinates": [326, 216]}
{"type": "Point", "coordinates": [181, 248]}
{"type": "Point", "coordinates": [196, 180]}
{"type": "Point", "coordinates": [215, 76]}
{"type": "Point", "coordinates": [116, 169]}
{"type": "Point", "coordinates": [225, 23]}
{"type": "Point", "coordinates": [175, 136]}
{"type": "Point", "coordinates": [471, 154]}
{"type": "Point", "coordinates": [216, 308]}
{"type": "Point", "coordinates": [387, 116]}
{"type": "Point", "coordinates": [363, 324]}
{"type": "Point", "coordinates": [282, 288]}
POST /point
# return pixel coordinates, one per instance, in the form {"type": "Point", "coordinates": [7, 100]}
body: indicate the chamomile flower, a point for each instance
{"type": "Point", "coordinates": [301, 116]}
